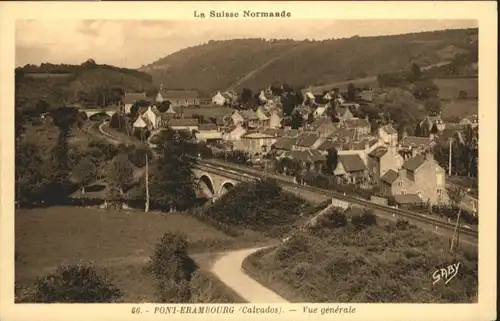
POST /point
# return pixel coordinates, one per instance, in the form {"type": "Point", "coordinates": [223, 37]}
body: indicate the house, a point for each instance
{"type": "Point", "coordinates": [219, 99]}
{"type": "Point", "coordinates": [350, 106]}
{"type": "Point", "coordinates": [264, 120]}
{"type": "Point", "coordinates": [130, 99]}
{"type": "Point", "coordinates": [310, 159]}
{"type": "Point", "coordinates": [421, 175]}
{"type": "Point", "coordinates": [255, 143]}
{"type": "Point", "coordinates": [187, 124]}
{"type": "Point", "coordinates": [178, 98]}
{"type": "Point", "coordinates": [473, 121]}
{"type": "Point", "coordinates": [324, 127]}
{"type": "Point", "coordinates": [237, 118]}
{"type": "Point", "coordinates": [250, 118]}
{"type": "Point", "coordinates": [265, 96]}
{"type": "Point", "coordinates": [275, 119]}
{"type": "Point", "coordinates": [351, 168]}
{"type": "Point", "coordinates": [361, 125]}
{"type": "Point", "coordinates": [343, 113]}
{"type": "Point", "coordinates": [309, 96]}
{"type": "Point", "coordinates": [410, 146]}
{"type": "Point", "coordinates": [320, 111]}
{"type": "Point", "coordinates": [365, 95]}
{"type": "Point", "coordinates": [208, 133]}
{"type": "Point", "coordinates": [234, 133]}
{"type": "Point", "coordinates": [284, 144]}
{"type": "Point", "coordinates": [383, 159]}
{"type": "Point", "coordinates": [388, 135]}
{"type": "Point", "coordinates": [153, 115]}
{"type": "Point", "coordinates": [140, 123]}
{"type": "Point", "coordinates": [429, 121]}
{"type": "Point", "coordinates": [309, 141]}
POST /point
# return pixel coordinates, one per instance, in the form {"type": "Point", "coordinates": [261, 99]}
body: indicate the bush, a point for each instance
{"type": "Point", "coordinates": [170, 259]}
{"type": "Point", "coordinates": [364, 220]}
{"type": "Point", "coordinates": [138, 156]}
{"type": "Point", "coordinates": [334, 219]}
{"type": "Point", "coordinates": [297, 243]}
{"type": "Point", "coordinates": [171, 291]}
{"type": "Point", "coordinates": [109, 150]}
{"type": "Point", "coordinates": [75, 284]}
{"type": "Point", "coordinates": [402, 224]}
{"type": "Point", "coordinates": [206, 288]}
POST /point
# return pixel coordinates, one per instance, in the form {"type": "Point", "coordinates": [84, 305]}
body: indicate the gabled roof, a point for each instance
{"type": "Point", "coordinates": [183, 122]}
{"type": "Point", "coordinates": [308, 141]}
{"type": "Point", "coordinates": [390, 176]}
{"type": "Point", "coordinates": [249, 114]}
{"type": "Point", "coordinates": [206, 127]}
{"type": "Point", "coordinates": [389, 129]}
{"type": "Point", "coordinates": [408, 199]}
{"type": "Point", "coordinates": [170, 110]}
{"type": "Point", "coordinates": [413, 163]}
{"type": "Point", "coordinates": [326, 145]}
{"type": "Point", "coordinates": [357, 122]}
{"type": "Point", "coordinates": [140, 122]}
{"type": "Point", "coordinates": [415, 141]}
{"type": "Point", "coordinates": [271, 131]}
{"type": "Point", "coordinates": [260, 114]}
{"type": "Point", "coordinates": [347, 134]}
{"type": "Point", "coordinates": [285, 143]}
{"type": "Point", "coordinates": [179, 94]}
{"type": "Point", "coordinates": [352, 163]}
{"type": "Point", "coordinates": [361, 144]}
{"type": "Point", "coordinates": [378, 152]}
{"type": "Point", "coordinates": [131, 98]}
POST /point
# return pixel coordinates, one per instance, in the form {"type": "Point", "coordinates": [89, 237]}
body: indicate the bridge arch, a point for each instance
{"type": "Point", "coordinates": [206, 183]}
{"type": "Point", "coordinates": [225, 187]}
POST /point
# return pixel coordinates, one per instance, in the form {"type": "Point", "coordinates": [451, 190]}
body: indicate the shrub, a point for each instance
{"type": "Point", "coordinates": [402, 224]}
{"type": "Point", "coordinates": [171, 291]}
{"type": "Point", "coordinates": [75, 284]}
{"type": "Point", "coordinates": [109, 150]}
{"type": "Point", "coordinates": [170, 259]}
{"type": "Point", "coordinates": [296, 244]}
{"type": "Point", "coordinates": [206, 288]}
{"type": "Point", "coordinates": [364, 220]}
{"type": "Point", "coordinates": [138, 156]}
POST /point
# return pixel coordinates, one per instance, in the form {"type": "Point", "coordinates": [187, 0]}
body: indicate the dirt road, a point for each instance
{"type": "Point", "coordinates": [228, 269]}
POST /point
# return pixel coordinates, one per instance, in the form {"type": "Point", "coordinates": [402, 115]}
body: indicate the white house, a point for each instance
{"type": "Point", "coordinates": [328, 96]}
{"type": "Point", "coordinates": [275, 120]}
{"type": "Point", "coordinates": [139, 123]}
{"type": "Point", "coordinates": [237, 118]}
{"type": "Point", "coordinates": [219, 99]}
{"type": "Point", "coordinates": [153, 116]}
{"type": "Point", "coordinates": [320, 111]}
{"type": "Point", "coordinates": [234, 133]}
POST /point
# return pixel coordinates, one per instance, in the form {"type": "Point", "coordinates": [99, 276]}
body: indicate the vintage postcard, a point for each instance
{"type": "Point", "coordinates": [248, 160]}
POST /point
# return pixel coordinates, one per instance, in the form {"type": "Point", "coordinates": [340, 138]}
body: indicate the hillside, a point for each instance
{"type": "Point", "coordinates": [89, 83]}
{"type": "Point", "coordinates": [254, 63]}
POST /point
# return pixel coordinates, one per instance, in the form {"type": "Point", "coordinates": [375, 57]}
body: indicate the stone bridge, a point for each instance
{"type": "Point", "coordinates": [215, 182]}
{"type": "Point", "coordinates": [92, 112]}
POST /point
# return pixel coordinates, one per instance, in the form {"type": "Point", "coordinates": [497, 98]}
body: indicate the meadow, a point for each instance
{"type": "Point", "coordinates": [206, 112]}
{"type": "Point", "coordinates": [450, 87]}
{"type": "Point", "coordinates": [120, 242]}
{"type": "Point", "coordinates": [457, 109]}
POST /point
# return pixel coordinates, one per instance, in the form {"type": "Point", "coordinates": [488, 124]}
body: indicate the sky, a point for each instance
{"type": "Point", "coordinates": [132, 43]}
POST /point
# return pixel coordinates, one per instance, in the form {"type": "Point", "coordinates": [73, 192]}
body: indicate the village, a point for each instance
{"type": "Point", "coordinates": [323, 126]}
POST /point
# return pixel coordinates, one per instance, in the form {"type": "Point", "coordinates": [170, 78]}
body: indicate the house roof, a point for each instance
{"type": "Point", "coordinates": [261, 115]}
{"type": "Point", "coordinates": [208, 135]}
{"type": "Point", "coordinates": [413, 163]}
{"type": "Point", "coordinates": [206, 127]}
{"type": "Point", "coordinates": [285, 143]}
{"type": "Point", "coordinates": [271, 131]}
{"type": "Point", "coordinates": [347, 134]}
{"type": "Point", "coordinates": [408, 199]}
{"type": "Point", "coordinates": [256, 135]}
{"type": "Point", "coordinates": [415, 141]}
{"type": "Point", "coordinates": [183, 122]}
{"type": "Point", "coordinates": [390, 176]}
{"type": "Point", "coordinates": [170, 110]}
{"type": "Point", "coordinates": [131, 98]}
{"type": "Point", "coordinates": [378, 152]}
{"type": "Point", "coordinates": [357, 122]}
{"type": "Point", "coordinates": [326, 145]}
{"type": "Point", "coordinates": [179, 94]}
{"type": "Point", "coordinates": [289, 132]}
{"type": "Point", "coordinates": [308, 141]}
{"type": "Point", "coordinates": [352, 163]}
{"type": "Point", "coordinates": [389, 129]}
{"type": "Point", "coordinates": [140, 122]}
{"type": "Point", "coordinates": [361, 144]}
{"type": "Point", "coordinates": [249, 114]}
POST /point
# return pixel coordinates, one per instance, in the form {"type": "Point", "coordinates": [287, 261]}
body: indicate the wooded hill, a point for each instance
{"type": "Point", "coordinates": [89, 83]}
{"type": "Point", "coordinates": [254, 63]}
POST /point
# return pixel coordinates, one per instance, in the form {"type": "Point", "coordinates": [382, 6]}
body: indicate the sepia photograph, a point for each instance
{"type": "Point", "coordinates": [263, 160]}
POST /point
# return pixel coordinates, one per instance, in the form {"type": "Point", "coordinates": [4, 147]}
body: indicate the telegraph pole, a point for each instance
{"type": "Point", "coordinates": [449, 160]}
{"type": "Point", "coordinates": [147, 184]}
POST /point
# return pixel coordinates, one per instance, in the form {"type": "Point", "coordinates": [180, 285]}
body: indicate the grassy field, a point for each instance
{"type": "Point", "coordinates": [121, 242]}
{"type": "Point", "coordinates": [450, 87]}
{"type": "Point", "coordinates": [337, 264]}
{"type": "Point", "coordinates": [370, 82]}
{"type": "Point", "coordinates": [458, 109]}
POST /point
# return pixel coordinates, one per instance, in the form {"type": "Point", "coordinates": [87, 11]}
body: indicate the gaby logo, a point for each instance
{"type": "Point", "coordinates": [446, 274]}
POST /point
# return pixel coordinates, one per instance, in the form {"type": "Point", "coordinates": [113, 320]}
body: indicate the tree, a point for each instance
{"type": "Point", "coordinates": [434, 130]}
{"type": "Point", "coordinates": [76, 284]}
{"type": "Point", "coordinates": [297, 120]}
{"type": "Point", "coordinates": [173, 182]}
{"type": "Point", "coordinates": [276, 89]}
{"type": "Point", "coordinates": [135, 107]}
{"type": "Point", "coordinates": [120, 172]}
{"type": "Point", "coordinates": [425, 89]}
{"type": "Point", "coordinates": [462, 94]}
{"type": "Point", "coordinates": [418, 130]}
{"type": "Point", "coordinates": [416, 73]}
{"type": "Point", "coordinates": [163, 106]}
{"type": "Point", "coordinates": [456, 195]}
{"type": "Point", "coordinates": [351, 92]}
{"type": "Point", "coordinates": [331, 161]}
{"type": "Point", "coordinates": [246, 95]}
{"type": "Point", "coordinates": [433, 106]}
{"type": "Point", "coordinates": [84, 172]}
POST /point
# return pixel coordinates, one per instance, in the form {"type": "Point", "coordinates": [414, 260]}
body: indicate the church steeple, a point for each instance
{"type": "Point", "coordinates": [159, 97]}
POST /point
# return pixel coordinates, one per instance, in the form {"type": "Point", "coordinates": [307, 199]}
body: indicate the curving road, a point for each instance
{"type": "Point", "coordinates": [229, 270]}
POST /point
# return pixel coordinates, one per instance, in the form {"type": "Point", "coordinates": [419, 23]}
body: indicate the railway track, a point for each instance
{"type": "Point", "coordinates": [416, 217]}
